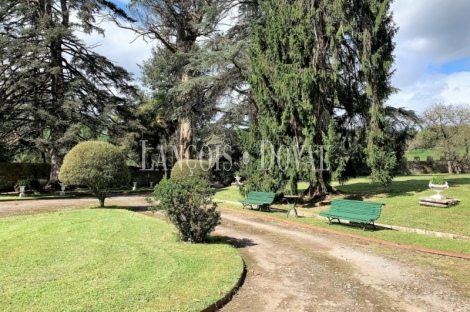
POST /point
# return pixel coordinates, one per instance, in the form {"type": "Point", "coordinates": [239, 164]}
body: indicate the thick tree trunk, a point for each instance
{"type": "Point", "coordinates": [449, 166]}
{"type": "Point", "coordinates": [186, 132]}
{"type": "Point", "coordinates": [185, 138]}
{"type": "Point", "coordinates": [56, 163]}
{"type": "Point", "coordinates": [320, 188]}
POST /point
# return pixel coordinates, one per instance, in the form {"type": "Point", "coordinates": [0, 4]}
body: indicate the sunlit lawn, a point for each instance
{"type": "Point", "coordinates": [108, 260]}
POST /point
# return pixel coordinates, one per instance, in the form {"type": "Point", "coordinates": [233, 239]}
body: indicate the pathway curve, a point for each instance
{"type": "Point", "coordinates": [299, 269]}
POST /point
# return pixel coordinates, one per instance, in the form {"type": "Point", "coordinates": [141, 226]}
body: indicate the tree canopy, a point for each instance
{"type": "Point", "coordinates": [54, 89]}
{"type": "Point", "coordinates": [320, 75]}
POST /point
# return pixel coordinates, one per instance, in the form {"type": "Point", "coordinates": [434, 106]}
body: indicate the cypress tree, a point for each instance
{"type": "Point", "coordinates": [320, 77]}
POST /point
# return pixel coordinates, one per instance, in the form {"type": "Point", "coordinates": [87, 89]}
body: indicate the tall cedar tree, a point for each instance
{"type": "Point", "coordinates": [320, 76]}
{"type": "Point", "coordinates": [53, 85]}
{"type": "Point", "coordinates": [196, 64]}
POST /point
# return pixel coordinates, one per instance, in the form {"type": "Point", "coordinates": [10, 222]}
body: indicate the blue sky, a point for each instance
{"type": "Point", "coordinates": [432, 52]}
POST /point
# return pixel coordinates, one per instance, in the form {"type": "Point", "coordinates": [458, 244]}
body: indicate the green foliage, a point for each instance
{"type": "Point", "coordinates": [32, 184]}
{"type": "Point", "coordinates": [59, 85]}
{"type": "Point", "coordinates": [13, 172]}
{"type": "Point", "coordinates": [315, 84]}
{"type": "Point", "coordinates": [184, 169]}
{"type": "Point", "coordinates": [98, 165]}
{"type": "Point", "coordinates": [438, 180]}
{"type": "Point", "coordinates": [188, 204]}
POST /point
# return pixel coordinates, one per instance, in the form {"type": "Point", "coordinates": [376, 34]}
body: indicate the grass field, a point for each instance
{"type": "Point", "coordinates": [14, 196]}
{"type": "Point", "coordinates": [402, 208]}
{"type": "Point", "coordinates": [108, 260]}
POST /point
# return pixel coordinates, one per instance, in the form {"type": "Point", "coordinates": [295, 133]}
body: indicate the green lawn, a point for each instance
{"type": "Point", "coordinates": [402, 208]}
{"type": "Point", "coordinates": [424, 153]}
{"type": "Point", "coordinates": [108, 260]}
{"type": "Point", "coordinates": [80, 192]}
{"type": "Point", "coordinates": [421, 153]}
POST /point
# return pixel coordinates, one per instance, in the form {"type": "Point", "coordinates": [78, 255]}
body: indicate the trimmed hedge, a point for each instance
{"type": "Point", "coordinates": [98, 165]}
{"type": "Point", "coordinates": [191, 168]}
{"type": "Point", "coordinates": [10, 173]}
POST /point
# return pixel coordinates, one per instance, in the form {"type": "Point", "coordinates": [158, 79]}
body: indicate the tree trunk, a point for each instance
{"type": "Point", "coordinates": [186, 131]}
{"type": "Point", "coordinates": [56, 163]}
{"type": "Point", "coordinates": [185, 138]}
{"type": "Point", "coordinates": [449, 166]}
{"type": "Point", "coordinates": [102, 202]}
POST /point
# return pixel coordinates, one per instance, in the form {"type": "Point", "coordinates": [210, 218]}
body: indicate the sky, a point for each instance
{"type": "Point", "coordinates": [432, 63]}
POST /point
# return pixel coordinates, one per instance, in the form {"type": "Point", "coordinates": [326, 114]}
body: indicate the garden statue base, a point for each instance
{"type": "Point", "coordinates": [62, 193]}
{"type": "Point", "coordinates": [22, 195]}
{"type": "Point", "coordinates": [438, 202]}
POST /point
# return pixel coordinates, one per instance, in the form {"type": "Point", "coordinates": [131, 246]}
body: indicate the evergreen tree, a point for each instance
{"type": "Point", "coordinates": [58, 87]}
{"type": "Point", "coordinates": [320, 77]}
{"type": "Point", "coordinates": [197, 72]}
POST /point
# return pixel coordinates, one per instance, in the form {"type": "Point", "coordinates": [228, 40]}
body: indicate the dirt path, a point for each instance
{"type": "Point", "coordinates": [302, 270]}
{"type": "Point", "coordinates": [296, 269]}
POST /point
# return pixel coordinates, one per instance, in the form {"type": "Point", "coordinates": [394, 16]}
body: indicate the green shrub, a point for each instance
{"type": "Point", "coordinates": [31, 184]}
{"type": "Point", "coordinates": [195, 168]}
{"type": "Point", "coordinates": [438, 180]}
{"type": "Point", "coordinates": [96, 164]}
{"type": "Point", "coordinates": [188, 204]}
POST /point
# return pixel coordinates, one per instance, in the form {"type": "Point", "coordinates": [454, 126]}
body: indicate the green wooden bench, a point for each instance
{"type": "Point", "coordinates": [353, 210]}
{"type": "Point", "coordinates": [260, 199]}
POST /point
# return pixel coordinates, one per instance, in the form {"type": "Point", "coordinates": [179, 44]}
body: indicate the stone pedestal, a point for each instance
{"type": "Point", "coordinates": [436, 202]}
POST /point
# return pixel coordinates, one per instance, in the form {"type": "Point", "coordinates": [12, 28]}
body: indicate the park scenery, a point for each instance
{"type": "Point", "coordinates": [266, 155]}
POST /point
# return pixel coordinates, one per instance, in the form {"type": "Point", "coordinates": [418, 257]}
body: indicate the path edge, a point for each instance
{"type": "Point", "coordinates": [364, 238]}
{"type": "Point", "coordinates": [226, 299]}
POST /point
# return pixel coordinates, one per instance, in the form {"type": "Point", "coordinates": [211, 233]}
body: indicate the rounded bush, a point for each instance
{"type": "Point", "coordinates": [189, 206]}
{"type": "Point", "coordinates": [191, 168]}
{"type": "Point", "coordinates": [98, 165]}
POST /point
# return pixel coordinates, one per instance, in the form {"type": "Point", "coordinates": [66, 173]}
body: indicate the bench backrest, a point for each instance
{"type": "Point", "coordinates": [356, 207]}
{"type": "Point", "coordinates": [261, 196]}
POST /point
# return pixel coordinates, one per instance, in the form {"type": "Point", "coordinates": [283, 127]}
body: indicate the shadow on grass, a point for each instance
{"type": "Point", "coordinates": [368, 227]}
{"type": "Point", "coordinates": [360, 191]}
{"type": "Point", "coordinates": [133, 208]}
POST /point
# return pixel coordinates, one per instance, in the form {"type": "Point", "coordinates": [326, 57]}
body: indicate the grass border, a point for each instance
{"type": "Point", "coordinates": [228, 297]}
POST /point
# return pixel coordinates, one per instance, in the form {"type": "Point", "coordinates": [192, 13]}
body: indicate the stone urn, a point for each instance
{"type": "Point", "coordinates": [22, 189]}
{"type": "Point", "coordinates": [237, 179]}
{"type": "Point", "coordinates": [135, 186]}
{"type": "Point", "coordinates": [438, 188]}
{"type": "Point", "coordinates": [62, 190]}
{"type": "Point", "coordinates": [151, 184]}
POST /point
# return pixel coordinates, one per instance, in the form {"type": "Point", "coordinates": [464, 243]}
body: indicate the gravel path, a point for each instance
{"type": "Point", "coordinates": [293, 269]}
{"type": "Point", "coordinates": [297, 269]}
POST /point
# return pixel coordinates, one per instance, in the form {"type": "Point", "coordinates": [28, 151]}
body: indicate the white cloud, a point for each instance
{"type": "Point", "coordinates": [120, 46]}
{"type": "Point", "coordinates": [432, 33]}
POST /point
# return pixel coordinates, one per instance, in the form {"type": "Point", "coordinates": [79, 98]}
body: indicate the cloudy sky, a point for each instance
{"type": "Point", "coordinates": [432, 52]}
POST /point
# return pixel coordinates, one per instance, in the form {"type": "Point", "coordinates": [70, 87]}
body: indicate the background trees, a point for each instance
{"type": "Point", "coordinates": [54, 90]}
{"type": "Point", "coordinates": [445, 129]}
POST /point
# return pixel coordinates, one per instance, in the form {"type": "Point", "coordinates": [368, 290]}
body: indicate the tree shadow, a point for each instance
{"type": "Point", "coordinates": [129, 208]}
{"type": "Point", "coordinates": [363, 190]}
{"type": "Point", "coordinates": [236, 242]}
